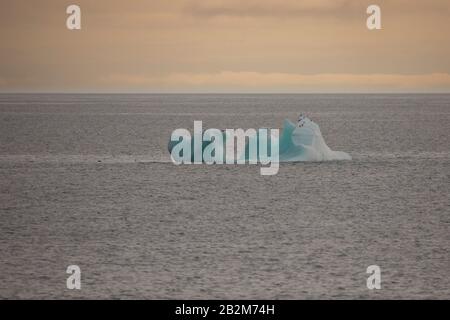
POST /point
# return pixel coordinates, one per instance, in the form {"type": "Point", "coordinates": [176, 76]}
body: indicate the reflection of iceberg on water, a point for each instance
{"type": "Point", "coordinates": [303, 142]}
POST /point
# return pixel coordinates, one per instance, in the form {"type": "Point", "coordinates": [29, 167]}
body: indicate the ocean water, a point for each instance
{"type": "Point", "coordinates": [87, 180]}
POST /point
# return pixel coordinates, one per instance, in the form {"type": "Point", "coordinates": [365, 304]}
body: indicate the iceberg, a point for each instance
{"type": "Point", "coordinates": [306, 143]}
{"type": "Point", "coordinates": [297, 143]}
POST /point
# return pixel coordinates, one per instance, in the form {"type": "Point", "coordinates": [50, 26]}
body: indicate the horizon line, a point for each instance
{"type": "Point", "coordinates": [226, 92]}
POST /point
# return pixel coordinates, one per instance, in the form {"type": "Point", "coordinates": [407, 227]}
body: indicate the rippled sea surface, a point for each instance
{"type": "Point", "coordinates": [87, 180]}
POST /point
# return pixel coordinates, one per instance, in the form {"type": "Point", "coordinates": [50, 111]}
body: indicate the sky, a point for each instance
{"type": "Point", "coordinates": [260, 46]}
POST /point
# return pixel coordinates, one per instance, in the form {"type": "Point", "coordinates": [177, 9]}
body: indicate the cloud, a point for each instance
{"type": "Point", "coordinates": [285, 82]}
{"type": "Point", "coordinates": [270, 8]}
{"type": "Point", "coordinates": [285, 8]}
